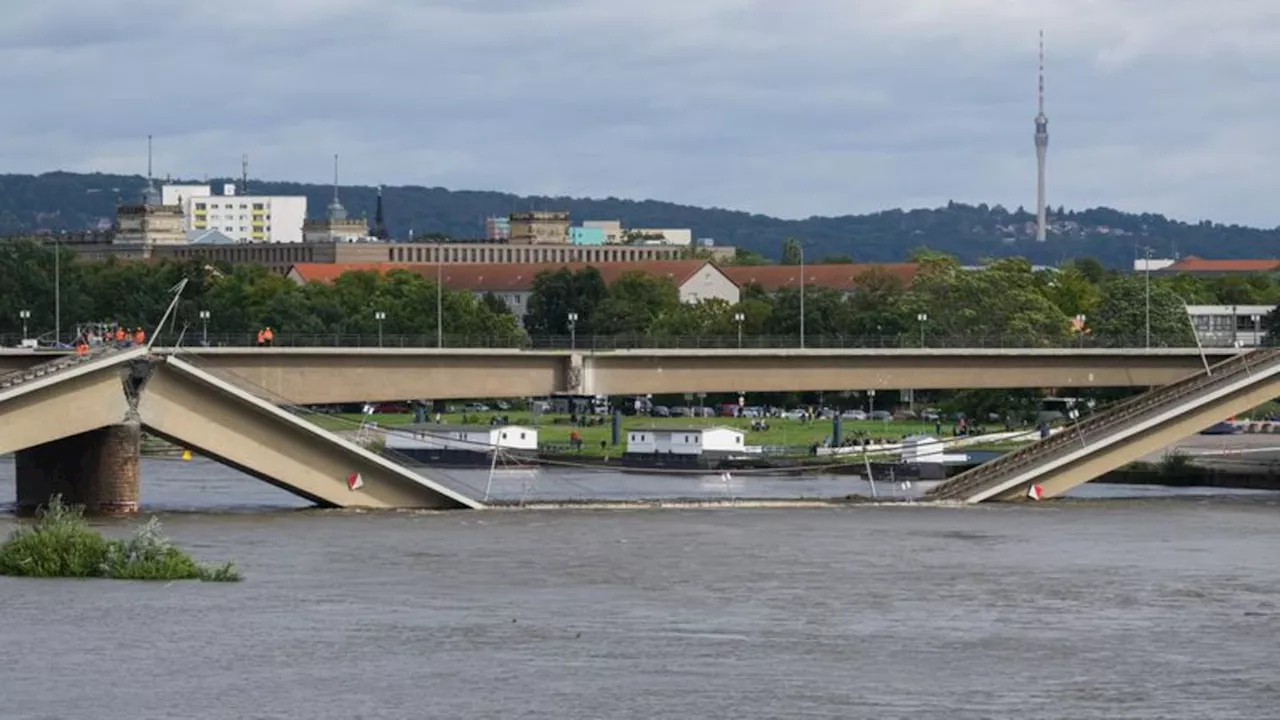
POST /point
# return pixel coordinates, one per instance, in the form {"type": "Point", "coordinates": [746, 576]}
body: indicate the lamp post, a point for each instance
{"type": "Point", "coordinates": [57, 292]}
{"type": "Point", "coordinates": [801, 246]}
{"type": "Point", "coordinates": [871, 403]}
{"type": "Point", "coordinates": [739, 318]}
{"type": "Point", "coordinates": [439, 296]}
{"type": "Point", "coordinates": [25, 315]}
{"type": "Point", "coordinates": [922, 318]}
{"type": "Point", "coordinates": [1080, 327]}
{"type": "Point", "coordinates": [204, 327]}
{"type": "Point", "coordinates": [573, 331]}
{"type": "Point", "coordinates": [1146, 270]}
{"type": "Point", "coordinates": [379, 316]}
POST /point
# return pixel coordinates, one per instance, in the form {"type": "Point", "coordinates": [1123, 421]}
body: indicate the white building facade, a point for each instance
{"type": "Point", "coordinates": [1225, 325]}
{"type": "Point", "coordinates": [473, 438]}
{"type": "Point", "coordinates": [245, 218]}
{"type": "Point", "coordinates": [686, 441]}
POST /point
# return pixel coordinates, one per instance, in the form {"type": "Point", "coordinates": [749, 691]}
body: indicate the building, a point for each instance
{"type": "Point", "coordinates": [336, 227]}
{"type": "Point", "coordinates": [1193, 265]}
{"type": "Point", "coordinates": [587, 236]}
{"type": "Point", "coordinates": [461, 445]}
{"type": "Point", "coordinates": [685, 446]}
{"type": "Point", "coordinates": [279, 257]}
{"type": "Point", "coordinates": [141, 227]}
{"type": "Point", "coordinates": [696, 280]}
{"type": "Point", "coordinates": [539, 228]}
{"type": "Point", "coordinates": [497, 228]}
{"type": "Point", "coordinates": [655, 236]}
{"type": "Point", "coordinates": [612, 229]}
{"type": "Point", "coordinates": [843, 277]}
{"type": "Point", "coordinates": [244, 218]}
{"type": "Point", "coordinates": [1225, 325]}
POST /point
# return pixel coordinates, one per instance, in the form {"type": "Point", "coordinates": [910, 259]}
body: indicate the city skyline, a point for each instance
{"type": "Point", "coordinates": [825, 109]}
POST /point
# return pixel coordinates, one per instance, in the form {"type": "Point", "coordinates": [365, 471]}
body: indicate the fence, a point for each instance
{"type": "Point", "coordinates": [690, 342]}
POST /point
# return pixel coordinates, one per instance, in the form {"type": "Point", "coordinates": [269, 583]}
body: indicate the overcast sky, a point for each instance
{"type": "Point", "coordinates": [785, 107]}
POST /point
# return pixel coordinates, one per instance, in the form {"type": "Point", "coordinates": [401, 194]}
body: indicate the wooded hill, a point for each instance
{"type": "Point", "coordinates": [62, 201]}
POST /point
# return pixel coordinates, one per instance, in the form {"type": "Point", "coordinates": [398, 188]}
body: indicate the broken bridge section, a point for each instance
{"type": "Point", "coordinates": [192, 408]}
{"type": "Point", "coordinates": [74, 425]}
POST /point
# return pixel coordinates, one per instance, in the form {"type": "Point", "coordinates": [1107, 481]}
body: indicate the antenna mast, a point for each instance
{"type": "Point", "coordinates": [244, 174]}
{"type": "Point", "coordinates": [335, 178]}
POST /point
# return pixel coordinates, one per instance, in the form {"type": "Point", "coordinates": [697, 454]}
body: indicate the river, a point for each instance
{"type": "Point", "coordinates": [1125, 603]}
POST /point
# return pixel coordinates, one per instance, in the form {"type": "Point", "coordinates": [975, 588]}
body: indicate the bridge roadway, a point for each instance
{"type": "Point", "coordinates": [313, 376]}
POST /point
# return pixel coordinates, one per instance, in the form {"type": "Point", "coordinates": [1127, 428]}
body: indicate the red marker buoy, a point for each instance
{"type": "Point", "coordinates": [354, 481]}
{"type": "Point", "coordinates": [1035, 492]}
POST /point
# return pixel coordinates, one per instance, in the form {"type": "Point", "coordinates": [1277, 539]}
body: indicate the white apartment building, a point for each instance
{"type": "Point", "coordinates": [244, 218]}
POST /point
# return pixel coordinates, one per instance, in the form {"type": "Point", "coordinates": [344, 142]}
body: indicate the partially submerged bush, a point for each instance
{"type": "Point", "coordinates": [61, 544]}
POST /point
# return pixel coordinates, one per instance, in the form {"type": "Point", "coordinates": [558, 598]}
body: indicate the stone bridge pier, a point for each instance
{"type": "Point", "coordinates": [97, 469]}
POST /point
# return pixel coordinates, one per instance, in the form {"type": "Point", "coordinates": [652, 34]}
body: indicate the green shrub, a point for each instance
{"type": "Point", "coordinates": [61, 544]}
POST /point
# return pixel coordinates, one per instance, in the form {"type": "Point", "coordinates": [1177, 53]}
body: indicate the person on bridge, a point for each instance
{"type": "Point", "coordinates": [262, 337]}
{"type": "Point", "coordinates": [139, 337]}
{"type": "Point", "coordinates": [82, 349]}
{"type": "Point", "coordinates": [268, 336]}
{"type": "Point", "coordinates": [120, 336]}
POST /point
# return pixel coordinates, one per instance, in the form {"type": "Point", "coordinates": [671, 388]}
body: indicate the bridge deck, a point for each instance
{"type": "Point", "coordinates": [1123, 433]}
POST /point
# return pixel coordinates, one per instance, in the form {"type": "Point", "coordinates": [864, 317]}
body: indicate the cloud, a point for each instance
{"type": "Point", "coordinates": [798, 108]}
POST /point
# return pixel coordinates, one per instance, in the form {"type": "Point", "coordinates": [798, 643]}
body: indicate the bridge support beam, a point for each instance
{"type": "Point", "coordinates": [97, 469]}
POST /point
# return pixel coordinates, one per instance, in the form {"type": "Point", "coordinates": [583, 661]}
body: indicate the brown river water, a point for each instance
{"type": "Point", "coordinates": [1122, 603]}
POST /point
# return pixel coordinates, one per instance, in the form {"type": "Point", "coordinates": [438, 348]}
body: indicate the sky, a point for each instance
{"type": "Point", "coordinates": [783, 107]}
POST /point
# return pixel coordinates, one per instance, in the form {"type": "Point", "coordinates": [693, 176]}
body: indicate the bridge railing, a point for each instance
{"type": "Point", "coordinates": [591, 342]}
{"type": "Point", "coordinates": [1102, 424]}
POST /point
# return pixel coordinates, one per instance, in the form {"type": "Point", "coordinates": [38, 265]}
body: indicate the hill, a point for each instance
{"type": "Point", "coordinates": [61, 201]}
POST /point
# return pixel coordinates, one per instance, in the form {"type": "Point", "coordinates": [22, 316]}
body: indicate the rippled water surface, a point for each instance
{"type": "Point", "coordinates": [1153, 607]}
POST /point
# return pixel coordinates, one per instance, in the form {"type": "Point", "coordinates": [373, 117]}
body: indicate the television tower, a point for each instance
{"type": "Point", "coordinates": [1042, 147]}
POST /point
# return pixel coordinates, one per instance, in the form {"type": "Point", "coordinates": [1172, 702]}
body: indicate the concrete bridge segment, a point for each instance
{"type": "Point", "coordinates": [75, 432]}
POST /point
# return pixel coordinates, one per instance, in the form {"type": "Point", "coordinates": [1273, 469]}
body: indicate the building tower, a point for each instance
{"type": "Point", "coordinates": [336, 226]}
{"type": "Point", "coordinates": [1042, 147]}
{"type": "Point", "coordinates": [379, 222]}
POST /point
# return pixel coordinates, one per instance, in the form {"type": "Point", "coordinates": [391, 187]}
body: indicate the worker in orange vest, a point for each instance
{"type": "Point", "coordinates": [139, 337]}
{"type": "Point", "coordinates": [82, 349]}
{"type": "Point", "coordinates": [268, 336]}
{"type": "Point", "coordinates": [262, 337]}
{"type": "Point", "coordinates": [119, 335]}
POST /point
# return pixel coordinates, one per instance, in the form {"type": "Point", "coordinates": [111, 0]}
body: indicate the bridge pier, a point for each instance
{"type": "Point", "coordinates": [97, 469]}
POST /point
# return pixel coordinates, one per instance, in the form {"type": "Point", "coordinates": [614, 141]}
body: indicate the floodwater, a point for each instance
{"type": "Point", "coordinates": [1142, 603]}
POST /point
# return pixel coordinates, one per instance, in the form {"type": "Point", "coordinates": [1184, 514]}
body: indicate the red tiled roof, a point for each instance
{"type": "Point", "coordinates": [499, 277]}
{"type": "Point", "coordinates": [1193, 264]}
{"type": "Point", "coordinates": [842, 277]}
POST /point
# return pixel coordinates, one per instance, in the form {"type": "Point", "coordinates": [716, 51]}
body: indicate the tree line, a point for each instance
{"type": "Point", "coordinates": [1008, 301]}
{"type": "Point", "coordinates": [75, 202]}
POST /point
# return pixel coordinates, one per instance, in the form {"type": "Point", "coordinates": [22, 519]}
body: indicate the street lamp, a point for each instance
{"type": "Point", "coordinates": [871, 403]}
{"type": "Point", "coordinates": [379, 316]}
{"type": "Point", "coordinates": [204, 327]}
{"type": "Point", "coordinates": [25, 315]}
{"type": "Point", "coordinates": [739, 318]}
{"type": "Point", "coordinates": [922, 318]}
{"type": "Point", "coordinates": [801, 246]}
{"type": "Point", "coordinates": [1080, 327]}
{"type": "Point", "coordinates": [573, 331]}
{"type": "Point", "coordinates": [1146, 270]}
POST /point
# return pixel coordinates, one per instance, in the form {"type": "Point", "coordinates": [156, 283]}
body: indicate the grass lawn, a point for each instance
{"type": "Point", "coordinates": [555, 429]}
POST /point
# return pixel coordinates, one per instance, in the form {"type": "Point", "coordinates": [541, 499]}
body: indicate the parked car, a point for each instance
{"type": "Point", "coordinates": [854, 415]}
{"type": "Point", "coordinates": [881, 415]}
{"type": "Point", "coordinates": [475, 407]}
{"type": "Point", "coordinates": [660, 411]}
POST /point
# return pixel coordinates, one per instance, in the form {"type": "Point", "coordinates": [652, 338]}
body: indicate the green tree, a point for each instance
{"type": "Point", "coordinates": [560, 292]}
{"type": "Point", "coordinates": [1121, 316]}
{"type": "Point", "coordinates": [792, 253]}
{"type": "Point", "coordinates": [632, 304]}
